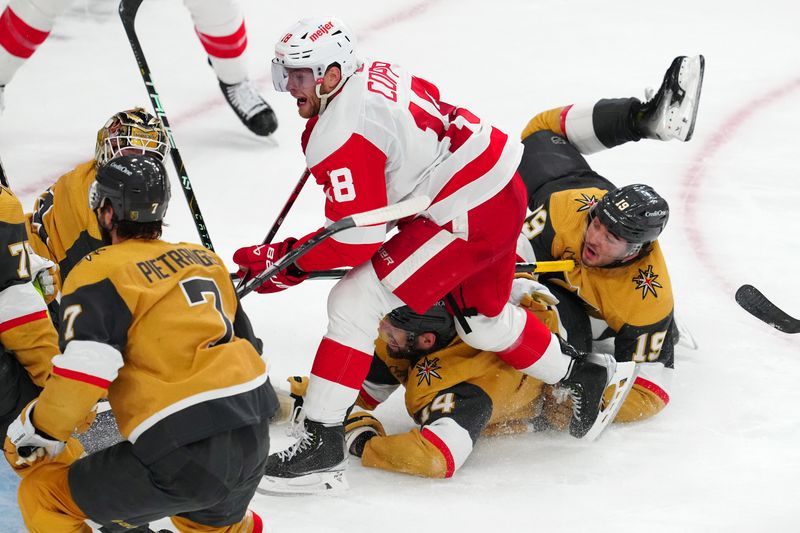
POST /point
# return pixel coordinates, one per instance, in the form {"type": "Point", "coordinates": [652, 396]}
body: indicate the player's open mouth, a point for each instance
{"type": "Point", "coordinates": [301, 101]}
{"type": "Point", "coordinates": [588, 252]}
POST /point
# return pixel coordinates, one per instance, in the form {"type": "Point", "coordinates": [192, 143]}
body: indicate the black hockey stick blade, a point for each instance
{"type": "Point", "coordinates": [755, 303]}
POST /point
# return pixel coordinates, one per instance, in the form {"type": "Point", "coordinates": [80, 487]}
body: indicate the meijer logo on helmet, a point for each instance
{"type": "Point", "coordinates": [323, 29]}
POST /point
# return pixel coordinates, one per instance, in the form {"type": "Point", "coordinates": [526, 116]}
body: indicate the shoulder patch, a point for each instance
{"type": "Point", "coordinates": [586, 202]}
{"type": "Point", "coordinates": [427, 369]}
{"type": "Point", "coordinates": [646, 281]}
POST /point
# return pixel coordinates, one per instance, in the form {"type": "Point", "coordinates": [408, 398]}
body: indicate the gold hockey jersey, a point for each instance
{"type": "Point", "coordinates": [25, 327]}
{"type": "Point", "coordinates": [455, 395]}
{"type": "Point", "coordinates": [63, 227]}
{"type": "Point", "coordinates": [635, 300]}
{"type": "Point", "coordinates": [158, 328]}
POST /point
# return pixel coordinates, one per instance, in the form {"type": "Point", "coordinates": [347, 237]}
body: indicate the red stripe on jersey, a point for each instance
{"type": "Point", "coordinates": [652, 387]}
{"type": "Point", "coordinates": [80, 376]}
{"type": "Point", "coordinates": [564, 120]}
{"type": "Point", "coordinates": [225, 46]}
{"type": "Point", "coordinates": [17, 37]}
{"type": "Point", "coordinates": [341, 364]}
{"type": "Point", "coordinates": [258, 524]}
{"type": "Point", "coordinates": [439, 443]}
{"type": "Point", "coordinates": [477, 167]}
{"type": "Point", "coordinates": [531, 345]}
{"type": "Point", "coordinates": [371, 402]}
{"type": "Point", "coordinates": [14, 322]}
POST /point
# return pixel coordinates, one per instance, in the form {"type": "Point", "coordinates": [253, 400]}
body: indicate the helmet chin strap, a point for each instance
{"type": "Point", "coordinates": [323, 98]}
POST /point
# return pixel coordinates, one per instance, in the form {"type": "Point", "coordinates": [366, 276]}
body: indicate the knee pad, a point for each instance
{"type": "Point", "coordinates": [494, 334]}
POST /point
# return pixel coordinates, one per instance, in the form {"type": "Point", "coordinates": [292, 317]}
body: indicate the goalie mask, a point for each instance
{"type": "Point", "coordinates": [401, 328]}
{"type": "Point", "coordinates": [136, 186]}
{"type": "Point", "coordinates": [314, 44]}
{"type": "Point", "coordinates": [131, 132]}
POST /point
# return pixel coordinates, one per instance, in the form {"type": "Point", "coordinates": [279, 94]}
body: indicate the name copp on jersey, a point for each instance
{"type": "Point", "coordinates": [387, 136]}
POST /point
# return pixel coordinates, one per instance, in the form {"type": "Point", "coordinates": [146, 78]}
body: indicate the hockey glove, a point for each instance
{"type": "Point", "coordinates": [359, 428]}
{"type": "Point", "coordinates": [527, 292]}
{"type": "Point", "coordinates": [253, 260]}
{"type": "Point", "coordinates": [24, 445]}
{"type": "Point", "coordinates": [43, 272]}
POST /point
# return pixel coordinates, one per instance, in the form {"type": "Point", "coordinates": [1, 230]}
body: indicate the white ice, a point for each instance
{"type": "Point", "coordinates": [723, 456]}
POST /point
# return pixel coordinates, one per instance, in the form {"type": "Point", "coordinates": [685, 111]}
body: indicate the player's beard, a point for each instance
{"type": "Point", "coordinates": [409, 354]}
{"type": "Point", "coordinates": [105, 235]}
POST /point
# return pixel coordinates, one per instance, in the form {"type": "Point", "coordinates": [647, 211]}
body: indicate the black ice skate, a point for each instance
{"type": "Point", "coordinates": [672, 111]}
{"type": "Point", "coordinates": [250, 107]}
{"type": "Point", "coordinates": [590, 376]}
{"type": "Point", "coordinates": [315, 463]}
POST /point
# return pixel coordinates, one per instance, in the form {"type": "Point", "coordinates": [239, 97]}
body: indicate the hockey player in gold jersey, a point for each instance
{"type": "Point", "coordinates": [455, 393]}
{"type": "Point", "coordinates": [158, 329]}
{"type": "Point", "coordinates": [63, 228]}
{"type": "Point", "coordinates": [28, 340]}
{"type": "Point", "coordinates": [620, 287]}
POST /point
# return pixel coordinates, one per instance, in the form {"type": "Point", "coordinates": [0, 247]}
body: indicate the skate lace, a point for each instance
{"type": "Point", "coordinates": [575, 394]}
{"type": "Point", "coordinates": [296, 426]}
{"type": "Point", "coordinates": [245, 98]}
{"type": "Point", "coordinates": [304, 442]}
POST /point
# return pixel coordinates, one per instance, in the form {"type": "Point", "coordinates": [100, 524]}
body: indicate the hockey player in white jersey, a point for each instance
{"type": "Point", "coordinates": [377, 135]}
{"type": "Point", "coordinates": [25, 24]}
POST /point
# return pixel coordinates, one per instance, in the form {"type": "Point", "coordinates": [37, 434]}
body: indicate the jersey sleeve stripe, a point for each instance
{"type": "Point", "coordinates": [89, 361]}
{"type": "Point", "coordinates": [563, 119]}
{"type": "Point", "coordinates": [25, 319]}
{"type": "Point", "coordinates": [439, 443]}
{"type": "Point", "coordinates": [80, 376]}
{"type": "Point", "coordinates": [452, 440]}
{"type": "Point", "coordinates": [375, 393]}
{"type": "Point", "coordinates": [17, 302]}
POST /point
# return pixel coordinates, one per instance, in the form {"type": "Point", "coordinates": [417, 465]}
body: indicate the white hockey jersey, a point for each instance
{"type": "Point", "coordinates": [385, 137]}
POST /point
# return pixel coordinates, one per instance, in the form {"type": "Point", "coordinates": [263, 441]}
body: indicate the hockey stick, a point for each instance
{"type": "Point", "coordinates": [382, 215]}
{"type": "Point", "coordinates": [566, 265]}
{"type": "Point", "coordinates": [755, 303]}
{"type": "Point", "coordinates": [281, 217]}
{"type": "Point", "coordinates": [127, 12]}
{"type": "Point", "coordinates": [3, 178]}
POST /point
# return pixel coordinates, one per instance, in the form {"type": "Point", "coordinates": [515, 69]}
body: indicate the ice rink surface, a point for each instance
{"type": "Point", "coordinates": [722, 457]}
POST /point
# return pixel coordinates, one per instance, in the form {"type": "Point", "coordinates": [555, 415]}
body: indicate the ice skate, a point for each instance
{"type": "Point", "coordinates": [314, 463]}
{"type": "Point", "coordinates": [589, 378]}
{"type": "Point", "coordinates": [250, 107]}
{"type": "Point", "coordinates": [672, 111]}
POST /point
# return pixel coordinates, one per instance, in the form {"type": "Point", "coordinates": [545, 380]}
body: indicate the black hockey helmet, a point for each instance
{"type": "Point", "coordinates": [435, 320]}
{"type": "Point", "coordinates": [136, 185]}
{"type": "Point", "coordinates": [636, 213]}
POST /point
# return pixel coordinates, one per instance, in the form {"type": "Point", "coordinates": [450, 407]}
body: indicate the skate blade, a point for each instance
{"type": "Point", "coordinates": [331, 482]}
{"type": "Point", "coordinates": [622, 382]}
{"type": "Point", "coordinates": [692, 83]}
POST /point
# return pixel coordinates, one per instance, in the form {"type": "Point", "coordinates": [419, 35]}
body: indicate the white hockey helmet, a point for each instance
{"type": "Point", "coordinates": [314, 43]}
